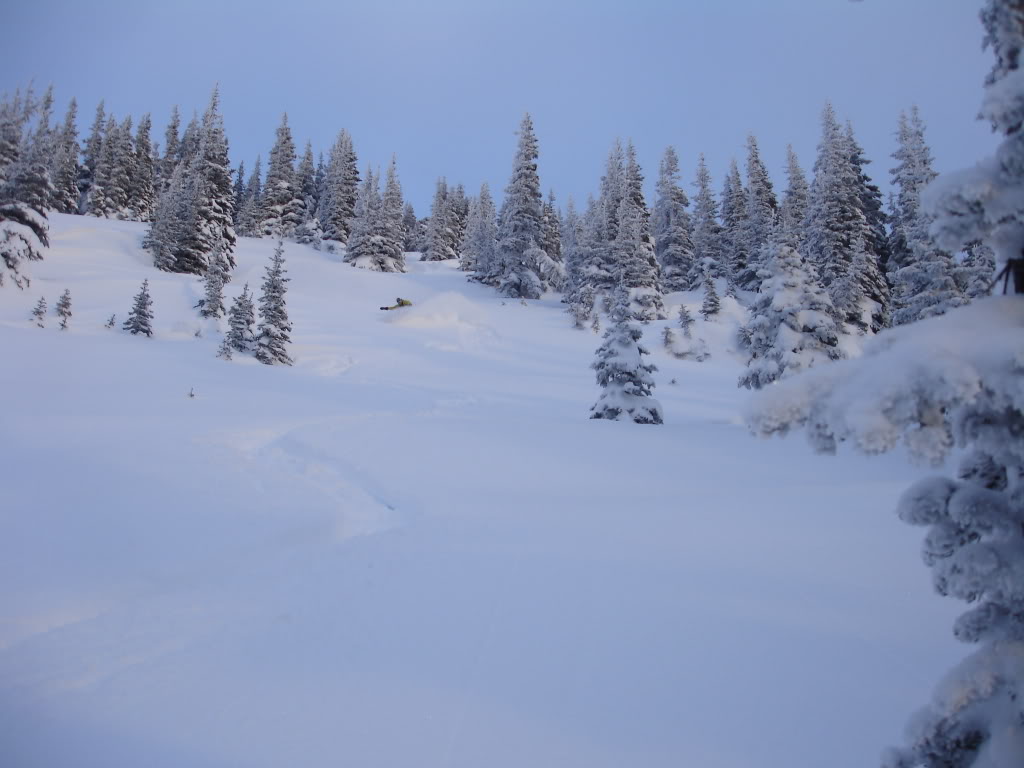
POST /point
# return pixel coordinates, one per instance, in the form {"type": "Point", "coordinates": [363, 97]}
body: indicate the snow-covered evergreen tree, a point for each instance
{"type": "Point", "coordinates": [141, 184]}
{"type": "Point", "coordinates": [760, 220]}
{"type": "Point", "coordinates": [376, 239]}
{"type": "Point", "coordinates": [252, 204]}
{"type": "Point", "coordinates": [140, 318]}
{"type": "Point", "coordinates": [63, 308]}
{"type": "Point", "coordinates": [241, 320]}
{"type": "Point", "coordinates": [793, 211]}
{"type": "Point", "coordinates": [64, 168]}
{"type": "Point", "coordinates": [625, 379]}
{"type": "Point", "coordinates": [671, 226]}
{"type": "Point", "coordinates": [634, 250]}
{"type": "Point", "coordinates": [39, 312]}
{"type": "Point", "coordinates": [309, 232]}
{"type": "Point", "coordinates": [952, 384]}
{"type": "Point", "coordinates": [734, 226]}
{"type": "Point", "coordinates": [441, 230]}
{"type": "Point", "coordinates": [517, 273]}
{"type": "Point", "coordinates": [711, 305]}
{"type": "Point", "coordinates": [172, 149]}
{"type": "Point", "coordinates": [602, 265]}
{"type": "Point", "coordinates": [283, 208]}
{"type": "Point", "coordinates": [792, 325]}
{"type": "Point", "coordinates": [838, 229]}
{"type": "Point", "coordinates": [479, 250]}
{"type": "Point", "coordinates": [410, 228]}
{"type": "Point", "coordinates": [975, 274]}
{"type": "Point", "coordinates": [273, 334]}
{"type": "Point", "coordinates": [708, 242]}
{"type": "Point", "coordinates": [212, 303]}
{"type": "Point", "coordinates": [922, 274]}
{"type": "Point", "coordinates": [91, 153]}
{"type": "Point", "coordinates": [341, 188]}
{"type": "Point", "coordinates": [111, 187]}
{"type": "Point", "coordinates": [25, 190]}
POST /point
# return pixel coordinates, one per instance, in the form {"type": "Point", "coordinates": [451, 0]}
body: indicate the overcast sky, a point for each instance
{"type": "Point", "coordinates": [444, 84]}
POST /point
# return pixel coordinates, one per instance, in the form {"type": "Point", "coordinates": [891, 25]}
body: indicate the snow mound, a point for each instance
{"type": "Point", "coordinates": [463, 320]}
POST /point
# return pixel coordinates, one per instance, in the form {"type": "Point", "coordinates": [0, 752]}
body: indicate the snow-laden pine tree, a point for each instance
{"type": "Point", "coordinates": [141, 192]}
{"type": "Point", "coordinates": [602, 265]}
{"type": "Point", "coordinates": [838, 229]}
{"type": "Point", "coordinates": [585, 247]}
{"type": "Point", "coordinates": [376, 239]}
{"type": "Point", "coordinates": [111, 186]}
{"type": "Point", "coordinates": [634, 250]}
{"type": "Point", "coordinates": [309, 232]}
{"type": "Point", "coordinates": [273, 334]}
{"type": "Point", "coordinates": [671, 226]}
{"type": "Point", "coordinates": [64, 167]}
{"type": "Point", "coordinates": [252, 203]}
{"type": "Point", "coordinates": [877, 221]}
{"type": "Point", "coordinates": [734, 226]}
{"type": "Point", "coordinates": [410, 228]}
{"type": "Point", "coordinates": [922, 274]}
{"type": "Point", "coordinates": [341, 188]}
{"type": "Point", "coordinates": [975, 274]}
{"type": "Point", "coordinates": [39, 312]}
{"type": "Point", "coordinates": [212, 303]}
{"type": "Point", "coordinates": [552, 266]}
{"type": "Point", "coordinates": [91, 152]}
{"type": "Point", "coordinates": [708, 239]}
{"type": "Point", "coordinates": [479, 250]}
{"type": "Point", "coordinates": [711, 305]}
{"type": "Point", "coordinates": [793, 211]}
{"type": "Point", "coordinates": [792, 325]}
{"type": "Point", "coordinates": [63, 308]}
{"type": "Point", "coordinates": [25, 190]}
{"type": "Point", "coordinates": [625, 379]}
{"type": "Point", "coordinates": [283, 208]}
{"type": "Point", "coordinates": [238, 191]}
{"type": "Point", "coordinates": [952, 385]}
{"type": "Point", "coordinates": [441, 230]}
{"type": "Point", "coordinates": [241, 320]}
{"type": "Point", "coordinates": [760, 221]}
{"type": "Point", "coordinates": [172, 148]}
{"type": "Point", "coordinates": [140, 318]}
{"type": "Point", "coordinates": [458, 215]}
{"type": "Point", "coordinates": [517, 267]}
{"type": "Point", "coordinates": [216, 196]}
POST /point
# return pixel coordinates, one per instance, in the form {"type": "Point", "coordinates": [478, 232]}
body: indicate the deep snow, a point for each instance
{"type": "Point", "coordinates": [413, 548]}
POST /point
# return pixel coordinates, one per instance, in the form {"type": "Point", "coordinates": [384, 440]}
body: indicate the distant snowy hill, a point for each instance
{"type": "Point", "coordinates": [413, 548]}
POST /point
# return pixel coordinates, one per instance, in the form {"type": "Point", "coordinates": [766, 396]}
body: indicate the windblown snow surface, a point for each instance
{"type": "Point", "coordinates": [413, 548]}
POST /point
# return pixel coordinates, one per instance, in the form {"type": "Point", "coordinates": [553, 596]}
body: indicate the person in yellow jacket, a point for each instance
{"type": "Point", "coordinates": [400, 303]}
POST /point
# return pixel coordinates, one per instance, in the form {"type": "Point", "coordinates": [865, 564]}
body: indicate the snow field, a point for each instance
{"type": "Point", "coordinates": [414, 547]}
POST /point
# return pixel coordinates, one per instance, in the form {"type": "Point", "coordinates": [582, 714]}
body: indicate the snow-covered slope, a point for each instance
{"type": "Point", "coordinates": [413, 548]}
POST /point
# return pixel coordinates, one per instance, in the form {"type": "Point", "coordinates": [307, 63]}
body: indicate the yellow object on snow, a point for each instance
{"type": "Point", "coordinates": [401, 303]}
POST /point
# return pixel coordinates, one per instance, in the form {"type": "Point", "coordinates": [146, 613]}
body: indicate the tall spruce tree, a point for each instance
{"type": "Point", "coordinates": [519, 233]}
{"type": "Point", "coordinates": [65, 169]}
{"type": "Point", "coordinates": [172, 148]}
{"type": "Point", "coordinates": [481, 244]}
{"type": "Point", "coordinates": [91, 153]}
{"type": "Point", "coordinates": [760, 219]}
{"type": "Point", "coordinates": [252, 204]}
{"type": "Point", "coordinates": [708, 237]}
{"type": "Point", "coordinates": [283, 207]}
{"type": "Point", "coordinates": [923, 276]}
{"type": "Point", "coordinates": [410, 228]}
{"type": "Point", "coordinates": [241, 320]}
{"type": "Point", "coordinates": [341, 187]}
{"type": "Point", "coordinates": [441, 229]}
{"type": "Point", "coordinates": [793, 210]}
{"type": "Point", "coordinates": [273, 334]}
{"type": "Point", "coordinates": [141, 183]}
{"type": "Point", "coordinates": [634, 249]}
{"type": "Point", "coordinates": [671, 226]}
{"type": "Point", "coordinates": [734, 226]}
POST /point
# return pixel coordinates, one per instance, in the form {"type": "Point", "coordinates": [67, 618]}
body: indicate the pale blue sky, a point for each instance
{"type": "Point", "coordinates": [444, 84]}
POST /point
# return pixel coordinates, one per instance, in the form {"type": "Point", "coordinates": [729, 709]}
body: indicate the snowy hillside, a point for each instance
{"type": "Point", "coordinates": [413, 548]}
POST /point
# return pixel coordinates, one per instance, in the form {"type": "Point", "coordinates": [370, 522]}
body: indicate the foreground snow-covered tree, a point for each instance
{"type": "Point", "coordinates": [273, 333]}
{"type": "Point", "coordinates": [25, 190]}
{"type": "Point", "coordinates": [140, 318]}
{"type": "Point", "coordinates": [792, 325]}
{"type": "Point", "coordinates": [625, 379]}
{"type": "Point", "coordinates": [39, 312]}
{"type": "Point", "coordinates": [945, 384]}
